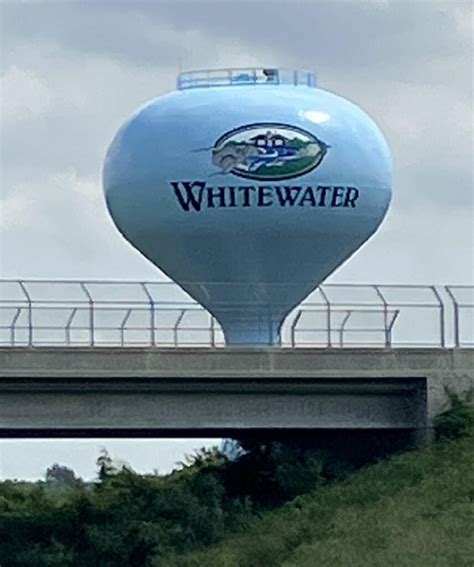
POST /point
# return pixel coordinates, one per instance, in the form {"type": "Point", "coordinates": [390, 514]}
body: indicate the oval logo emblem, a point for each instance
{"type": "Point", "coordinates": [268, 151]}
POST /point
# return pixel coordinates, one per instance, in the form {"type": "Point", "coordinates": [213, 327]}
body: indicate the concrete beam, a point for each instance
{"type": "Point", "coordinates": [182, 391]}
{"type": "Point", "coordinates": [210, 405]}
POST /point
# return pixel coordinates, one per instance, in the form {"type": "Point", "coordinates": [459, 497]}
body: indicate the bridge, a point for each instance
{"type": "Point", "coordinates": [106, 363]}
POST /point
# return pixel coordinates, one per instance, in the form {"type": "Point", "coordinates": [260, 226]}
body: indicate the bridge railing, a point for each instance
{"type": "Point", "coordinates": [463, 314]}
{"type": "Point", "coordinates": [125, 314]}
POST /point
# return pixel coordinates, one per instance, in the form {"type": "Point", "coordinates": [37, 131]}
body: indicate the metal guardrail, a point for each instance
{"type": "Point", "coordinates": [37, 313]}
{"type": "Point", "coordinates": [463, 305]}
{"type": "Point", "coordinates": [244, 76]}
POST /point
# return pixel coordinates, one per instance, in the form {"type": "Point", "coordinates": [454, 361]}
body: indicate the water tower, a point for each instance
{"type": "Point", "coordinates": [248, 187]}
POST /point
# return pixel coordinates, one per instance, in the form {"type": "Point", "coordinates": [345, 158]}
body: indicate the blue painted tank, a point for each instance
{"type": "Point", "coordinates": [248, 187]}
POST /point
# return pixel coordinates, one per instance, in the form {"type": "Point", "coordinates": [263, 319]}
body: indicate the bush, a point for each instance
{"type": "Point", "coordinates": [455, 422]}
{"type": "Point", "coordinates": [126, 519]}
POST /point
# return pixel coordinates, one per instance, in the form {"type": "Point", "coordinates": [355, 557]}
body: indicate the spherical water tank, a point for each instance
{"type": "Point", "coordinates": [248, 188]}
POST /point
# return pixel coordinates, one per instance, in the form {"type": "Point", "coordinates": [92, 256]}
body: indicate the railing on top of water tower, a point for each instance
{"type": "Point", "coordinates": [35, 313]}
{"type": "Point", "coordinates": [242, 76]}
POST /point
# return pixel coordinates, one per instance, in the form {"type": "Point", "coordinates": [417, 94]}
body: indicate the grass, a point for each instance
{"type": "Point", "coordinates": [414, 510]}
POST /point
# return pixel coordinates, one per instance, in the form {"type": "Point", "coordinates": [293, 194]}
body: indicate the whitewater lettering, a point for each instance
{"type": "Point", "coordinates": [196, 195]}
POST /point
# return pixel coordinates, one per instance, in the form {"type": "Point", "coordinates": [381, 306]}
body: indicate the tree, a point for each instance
{"type": "Point", "coordinates": [59, 474]}
{"type": "Point", "coordinates": [105, 464]}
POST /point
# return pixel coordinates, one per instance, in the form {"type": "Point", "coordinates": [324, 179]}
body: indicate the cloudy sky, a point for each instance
{"type": "Point", "coordinates": [72, 72]}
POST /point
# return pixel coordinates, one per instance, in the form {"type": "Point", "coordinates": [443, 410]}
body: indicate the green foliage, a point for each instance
{"type": "Point", "coordinates": [60, 475]}
{"type": "Point", "coordinates": [105, 465]}
{"type": "Point", "coordinates": [271, 473]}
{"type": "Point", "coordinates": [414, 509]}
{"type": "Point", "coordinates": [456, 422]}
{"type": "Point", "coordinates": [123, 520]}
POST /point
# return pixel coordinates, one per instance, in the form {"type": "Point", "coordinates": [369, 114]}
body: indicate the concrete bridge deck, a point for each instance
{"type": "Point", "coordinates": [182, 392]}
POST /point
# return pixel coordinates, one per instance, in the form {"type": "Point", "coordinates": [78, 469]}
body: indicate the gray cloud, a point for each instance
{"type": "Point", "coordinates": [127, 32]}
{"type": "Point", "coordinates": [398, 39]}
{"type": "Point", "coordinates": [350, 34]}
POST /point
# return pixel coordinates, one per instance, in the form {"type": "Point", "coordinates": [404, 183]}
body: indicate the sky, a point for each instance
{"type": "Point", "coordinates": [72, 72]}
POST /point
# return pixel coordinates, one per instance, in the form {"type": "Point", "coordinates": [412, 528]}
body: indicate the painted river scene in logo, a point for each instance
{"type": "Point", "coordinates": [268, 151]}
